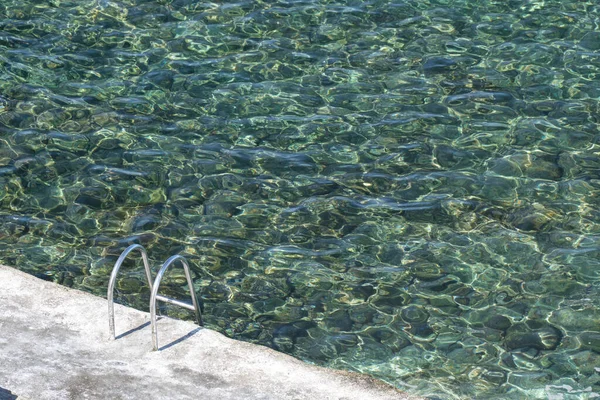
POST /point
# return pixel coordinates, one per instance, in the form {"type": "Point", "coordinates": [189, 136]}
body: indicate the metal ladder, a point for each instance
{"type": "Point", "coordinates": [154, 290]}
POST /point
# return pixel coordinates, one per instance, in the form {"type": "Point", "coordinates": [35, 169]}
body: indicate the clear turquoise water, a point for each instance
{"type": "Point", "coordinates": [406, 189]}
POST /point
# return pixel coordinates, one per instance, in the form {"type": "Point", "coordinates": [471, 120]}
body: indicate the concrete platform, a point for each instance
{"type": "Point", "coordinates": [54, 345]}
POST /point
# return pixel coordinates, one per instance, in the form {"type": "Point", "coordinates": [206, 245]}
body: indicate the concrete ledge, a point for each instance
{"type": "Point", "coordinates": [54, 345]}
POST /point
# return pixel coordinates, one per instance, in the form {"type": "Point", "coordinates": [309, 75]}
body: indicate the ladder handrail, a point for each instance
{"type": "Point", "coordinates": [113, 278]}
{"type": "Point", "coordinates": [155, 296]}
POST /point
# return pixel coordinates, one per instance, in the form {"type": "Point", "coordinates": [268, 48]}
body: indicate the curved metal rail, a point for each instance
{"type": "Point", "coordinates": [113, 278]}
{"type": "Point", "coordinates": [155, 296]}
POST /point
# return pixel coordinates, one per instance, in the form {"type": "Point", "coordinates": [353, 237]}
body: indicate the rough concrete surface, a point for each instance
{"type": "Point", "coordinates": [54, 345]}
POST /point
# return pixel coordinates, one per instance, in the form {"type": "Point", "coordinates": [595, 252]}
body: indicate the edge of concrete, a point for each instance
{"type": "Point", "coordinates": [54, 345]}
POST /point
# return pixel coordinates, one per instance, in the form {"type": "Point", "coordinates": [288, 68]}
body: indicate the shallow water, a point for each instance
{"type": "Point", "coordinates": [405, 189]}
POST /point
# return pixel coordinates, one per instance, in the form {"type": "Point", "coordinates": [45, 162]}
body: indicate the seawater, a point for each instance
{"type": "Point", "coordinates": [408, 189]}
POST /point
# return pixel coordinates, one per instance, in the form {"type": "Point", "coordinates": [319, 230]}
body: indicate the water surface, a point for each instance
{"type": "Point", "coordinates": [408, 189]}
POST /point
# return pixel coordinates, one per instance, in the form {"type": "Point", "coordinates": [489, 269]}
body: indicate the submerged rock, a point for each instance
{"type": "Point", "coordinates": [439, 65]}
{"type": "Point", "coordinates": [499, 322]}
{"type": "Point", "coordinates": [544, 338]}
{"type": "Point", "coordinates": [576, 320]}
{"type": "Point", "coordinates": [590, 340]}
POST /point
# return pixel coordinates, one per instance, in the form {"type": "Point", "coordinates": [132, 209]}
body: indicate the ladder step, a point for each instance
{"type": "Point", "coordinates": [175, 302]}
{"type": "Point", "coordinates": [153, 289]}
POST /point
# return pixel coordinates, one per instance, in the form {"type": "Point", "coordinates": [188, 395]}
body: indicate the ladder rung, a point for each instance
{"type": "Point", "coordinates": [155, 296]}
{"type": "Point", "coordinates": [176, 302]}
{"type": "Point", "coordinates": [154, 290]}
